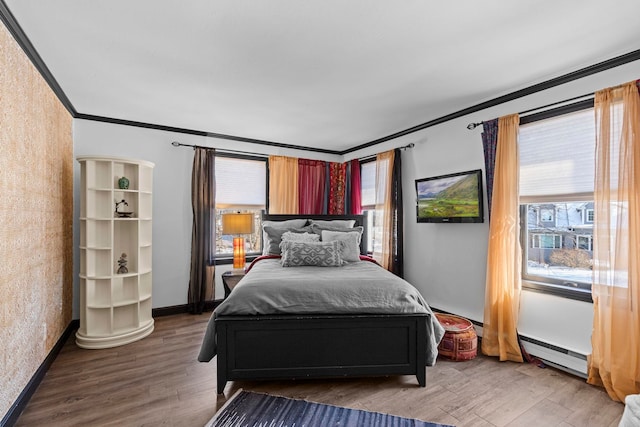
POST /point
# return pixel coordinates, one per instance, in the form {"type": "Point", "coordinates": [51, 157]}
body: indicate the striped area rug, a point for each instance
{"type": "Point", "coordinates": [247, 409]}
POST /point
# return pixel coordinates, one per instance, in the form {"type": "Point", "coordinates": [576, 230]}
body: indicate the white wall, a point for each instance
{"type": "Point", "coordinates": [446, 262]}
{"type": "Point", "coordinates": [172, 216]}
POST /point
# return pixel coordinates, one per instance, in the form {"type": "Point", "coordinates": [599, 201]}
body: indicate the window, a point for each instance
{"type": "Point", "coordinates": [585, 242]}
{"type": "Point", "coordinates": [588, 215]}
{"type": "Point", "coordinates": [374, 173]}
{"type": "Point", "coordinates": [547, 215]}
{"type": "Point", "coordinates": [368, 188]}
{"type": "Point", "coordinates": [240, 187]}
{"type": "Point", "coordinates": [556, 202]}
{"type": "Point", "coordinates": [546, 241]}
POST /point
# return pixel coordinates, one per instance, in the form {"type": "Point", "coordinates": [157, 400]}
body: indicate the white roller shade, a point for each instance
{"type": "Point", "coordinates": [557, 158]}
{"type": "Point", "coordinates": [368, 183]}
{"type": "Point", "coordinates": [240, 183]}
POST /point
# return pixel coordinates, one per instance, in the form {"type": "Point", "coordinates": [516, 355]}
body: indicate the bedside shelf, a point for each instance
{"type": "Point", "coordinates": [115, 309]}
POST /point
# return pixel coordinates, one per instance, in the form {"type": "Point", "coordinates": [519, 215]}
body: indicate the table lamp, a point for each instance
{"type": "Point", "coordinates": [237, 224]}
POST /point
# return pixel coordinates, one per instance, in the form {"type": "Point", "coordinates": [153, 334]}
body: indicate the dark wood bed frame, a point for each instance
{"type": "Point", "coordinates": [320, 345]}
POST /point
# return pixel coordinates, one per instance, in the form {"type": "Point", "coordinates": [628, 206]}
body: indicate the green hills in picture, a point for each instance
{"type": "Point", "coordinates": [455, 196]}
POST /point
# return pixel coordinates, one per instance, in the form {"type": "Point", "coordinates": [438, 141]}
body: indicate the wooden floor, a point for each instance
{"type": "Point", "coordinates": [158, 382]}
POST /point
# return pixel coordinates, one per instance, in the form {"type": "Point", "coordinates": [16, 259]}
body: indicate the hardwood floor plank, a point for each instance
{"type": "Point", "coordinates": [545, 413]}
{"type": "Point", "coordinates": [158, 382]}
{"type": "Point", "coordinates": [510, 400]}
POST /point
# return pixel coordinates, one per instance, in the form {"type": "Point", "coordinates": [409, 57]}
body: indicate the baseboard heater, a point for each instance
{"type": "Point", "coordinates": [558, 357]}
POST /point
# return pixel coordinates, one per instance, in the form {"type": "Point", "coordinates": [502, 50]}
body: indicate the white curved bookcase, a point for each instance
{"type": "Point", "coordinates": [115, 308]}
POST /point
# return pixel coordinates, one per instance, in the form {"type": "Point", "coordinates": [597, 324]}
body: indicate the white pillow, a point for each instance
{"type": "Point", "coordinates": [288, 236]}
{"type": "Point", "coordinates": [346, 223]}
{"type": "Point", "coordinates": [289, 223]}
{"type": "Point", "coordinates": [350, 251]}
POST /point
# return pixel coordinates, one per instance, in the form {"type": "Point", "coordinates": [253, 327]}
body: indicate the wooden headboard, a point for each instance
{"type": "Point", "coordinates": [359, 219]}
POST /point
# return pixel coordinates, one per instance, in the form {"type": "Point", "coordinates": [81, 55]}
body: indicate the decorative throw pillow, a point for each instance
{"type": "Point", "coordinates": [274, 237]}
{"type": "Point", "coordinates": [321, 254]}
{"type": "Point", "coordinates": [290, 236]}
{"type": "Point", "coordinates": [288, 223]}
{"type": "Point", "coordinates": [345, 223]}
{"type": "Point", "coordinates": [351, 249]}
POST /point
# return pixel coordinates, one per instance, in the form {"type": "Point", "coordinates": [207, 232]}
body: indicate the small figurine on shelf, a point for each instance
{"type": "Point", "coordinates": [122, 263]}
{"type": "Point", "coordinates": [122, 214]}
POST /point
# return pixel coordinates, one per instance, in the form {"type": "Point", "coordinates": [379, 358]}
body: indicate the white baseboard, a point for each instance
{"type": "Point", "coordinates": [566, 360]}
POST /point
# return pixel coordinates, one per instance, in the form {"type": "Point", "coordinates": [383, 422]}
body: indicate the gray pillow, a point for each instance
{"type": "Point", "coordinates": [321, 254]}
{"type": "Point", "coordinates": [346, 223]}
{"type": "Point", "coordinates": [290, 236]}
{"type": "Point", "coordinates": [288, 223]}
{"type": "Point", "coordinates": [316, 228]}
{"type": "Point", "coordinates": [274, 237]}
{"type": "Point", "coordinates": [350, 251]}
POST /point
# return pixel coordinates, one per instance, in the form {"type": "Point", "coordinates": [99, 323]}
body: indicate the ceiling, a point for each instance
{"type": "Point", "coordinates": [330, 74]}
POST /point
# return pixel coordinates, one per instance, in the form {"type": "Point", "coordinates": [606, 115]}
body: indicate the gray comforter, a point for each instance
{"type": "Point", "coordinates": [356, 288]}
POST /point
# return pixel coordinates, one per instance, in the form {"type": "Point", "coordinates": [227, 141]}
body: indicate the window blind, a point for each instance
{"type": "Point", "coordinates": [240, 183]}
{"type": "Point", "coordinates": [557, 158]}
{"type": "Point", "coordinates": [368, 183]}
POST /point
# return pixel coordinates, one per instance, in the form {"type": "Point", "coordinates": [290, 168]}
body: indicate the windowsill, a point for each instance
{"type": "Point", "coordinates": [560, 291]}
{"type": "Point", "coordinates": [225, 260]}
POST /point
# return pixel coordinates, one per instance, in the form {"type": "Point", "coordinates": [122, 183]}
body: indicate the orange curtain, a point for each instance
{"type": "Point", "coordinates": [283, 185]}
{"type": "Point", "coordinates": [502, 295]}
{"type": "Point", "coordinates": [615, 359]}
{"type": "Point", "coordinates": [383, 216]}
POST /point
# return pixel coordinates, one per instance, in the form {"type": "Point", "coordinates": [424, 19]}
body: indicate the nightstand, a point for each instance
{"type": "Point", "coordinates": [230, 279]}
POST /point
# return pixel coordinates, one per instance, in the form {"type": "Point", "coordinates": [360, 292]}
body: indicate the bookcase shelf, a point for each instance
{"type": "Point", "coordinates": [115, 308]}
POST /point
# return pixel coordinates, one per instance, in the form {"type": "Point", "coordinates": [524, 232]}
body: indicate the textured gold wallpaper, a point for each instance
{"type": "Point", "coordinates": [36, 211]}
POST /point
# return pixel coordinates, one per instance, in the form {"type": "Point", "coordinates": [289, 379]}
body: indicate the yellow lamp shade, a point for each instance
{"type": "Point", "coordinates": [237, 223]}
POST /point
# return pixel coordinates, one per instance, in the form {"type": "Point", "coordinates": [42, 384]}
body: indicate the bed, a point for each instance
{"type": "Point", "coordinates": [290, 321]}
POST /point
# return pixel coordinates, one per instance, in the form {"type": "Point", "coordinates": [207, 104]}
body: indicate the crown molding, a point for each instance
{"type": "Point", "coordinates": [201, 133]}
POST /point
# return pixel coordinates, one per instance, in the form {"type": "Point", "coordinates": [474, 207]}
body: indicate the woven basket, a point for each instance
{"type": "Point", "coordinates": [460, 341]}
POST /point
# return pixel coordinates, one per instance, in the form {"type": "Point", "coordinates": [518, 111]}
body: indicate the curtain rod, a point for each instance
{"type": "Point", "coordinates": [180, 144]}
{"type": "Point", "coordinates": [223, 150]}
{"type": "Point", "coordinates": [406, 147]}
{"type": "Point", "coordinates": [373, 156]}
{"type": "Point", "coordinates": [472, 126]}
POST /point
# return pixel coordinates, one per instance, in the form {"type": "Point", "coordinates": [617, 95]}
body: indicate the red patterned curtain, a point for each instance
{"type": "Point", "coordinates": [311, 180]}
{"type": "Point", "coordinates": [337, 187]}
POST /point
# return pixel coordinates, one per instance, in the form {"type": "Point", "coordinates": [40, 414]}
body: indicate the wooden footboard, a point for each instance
{"type": "Point", "coordinates": [317, 346]}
